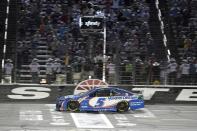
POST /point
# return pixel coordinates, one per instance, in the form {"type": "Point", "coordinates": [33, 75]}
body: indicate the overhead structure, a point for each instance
{"type": "Point", "coordinates": [95, 24]}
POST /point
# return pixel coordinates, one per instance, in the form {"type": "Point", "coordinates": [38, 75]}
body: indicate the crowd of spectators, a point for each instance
{"type": "Point", "coordinates": [184, 22]}
{"type": "Point", "coordinates": [40, 24]}
{"type": "Point", "coordinates": [130, 47]}
{"type": "Point", "coordinates": [56, 23]}
{"type": "Point", "coordinates": [183, 69]}
{"type": "Point", "coordinates": [184, 18]}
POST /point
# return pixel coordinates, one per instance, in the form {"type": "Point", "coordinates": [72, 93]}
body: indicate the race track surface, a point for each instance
{"type": "Point", "coordinates": [43, 117]}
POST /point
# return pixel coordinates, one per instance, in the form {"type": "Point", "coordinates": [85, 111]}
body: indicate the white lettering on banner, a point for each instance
{"type": "Point", "coordinates": [27, 93]}
{"type": "Point", "coordinates": [31, 93]}
{"type": "Point", "coordinates": [149, 92]}
{"type": "Point", "coordinates": [90, 23]}
{"type": "Point", "coordinates": [186, 94]}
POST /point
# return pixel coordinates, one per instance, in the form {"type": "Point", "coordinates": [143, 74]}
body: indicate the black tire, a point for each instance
{"type": "Point", "coordinates": [58, 107]}
{"type": "Point", "coordinates": [73, 105]}
{"type": "Point", "coordinates": [122, 106]}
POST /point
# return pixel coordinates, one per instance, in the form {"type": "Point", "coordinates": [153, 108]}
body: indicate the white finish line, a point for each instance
{"type": "Point", "coordinates": [87, 120]}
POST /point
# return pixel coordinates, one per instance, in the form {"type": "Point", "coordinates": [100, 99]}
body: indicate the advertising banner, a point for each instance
{"type": "Point", "coordinates": [48, 94]}
{"type": "Point", "coordinates": [91, 23]}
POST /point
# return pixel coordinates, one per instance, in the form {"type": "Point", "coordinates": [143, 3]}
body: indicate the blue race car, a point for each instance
{"type": "Point", "coordinates": [101, 99]}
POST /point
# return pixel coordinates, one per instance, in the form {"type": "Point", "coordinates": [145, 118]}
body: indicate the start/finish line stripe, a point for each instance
{"type": "Point", "coordinates": [86, 120]}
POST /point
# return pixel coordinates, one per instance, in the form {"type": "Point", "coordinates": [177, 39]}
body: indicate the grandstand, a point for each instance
{"type": "Point", "coordinates": [143, 38]}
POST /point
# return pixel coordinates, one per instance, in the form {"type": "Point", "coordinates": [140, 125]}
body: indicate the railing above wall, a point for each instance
{"type": "Point", "coordinates": [144, 75]}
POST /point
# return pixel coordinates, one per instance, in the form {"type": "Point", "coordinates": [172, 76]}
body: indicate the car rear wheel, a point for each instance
{"type": "Point", "coordinates": [122, 106]}
{"type": "Point", "coordinates": [73, 105]}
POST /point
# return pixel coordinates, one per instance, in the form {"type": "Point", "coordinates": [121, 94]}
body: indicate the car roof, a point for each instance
{"type": "Point", "coordinates": [111, 88]}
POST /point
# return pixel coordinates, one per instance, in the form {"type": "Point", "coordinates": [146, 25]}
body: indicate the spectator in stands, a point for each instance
{"type": "Point", "coordinates": [151, 60]}
{"type": "Point", "coordinates": [175, 13]}
{"type": "Point", "coordinates": [35, 70]}
{"type": "Point", "coordinates": [163, 71]}
{"type": "Point", "coordinates": [172, 71]}
{"type": "Point", "coordinates": [57, 67]}
{"type": "Point", "coordinates": [87, 70]}
{"type": "Point", "coordinates": [8, 68]}
{"type": "Point", "coordinates": [98, 69]}
{"type": "Point", "coordinates": [25, 54]}
{"type": "Point", "coordinates": [34, 45]}
{"type": "Point", "coordinates": [128, 71]}
{"type": "Point", "coordinates": [20, 54]}
{"type": "Point", "coordinates": [49, 70]}
{"type": "Point", "coordinates": [184, 70]}
{"type": "Point", "coordinates": [192, 71]}
{"type": "Point", "coordinates": [140, 72]}
{"type": "Point", "coordinates": [187, 44]}
{"type": "Point", "coordinates": [98, 58]}
{"type": "Point", "coordinates": [111, 73]}
{"type": "Point", "coordinates": [156, 73]}
{"type": "Point", "coordinates": [150, 43]}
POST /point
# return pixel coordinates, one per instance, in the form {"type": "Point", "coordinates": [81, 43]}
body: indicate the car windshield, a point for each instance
{"type": "Point", "coordinates": [84, 93]}
{"type": "Point", "coordinates": [81, 93]}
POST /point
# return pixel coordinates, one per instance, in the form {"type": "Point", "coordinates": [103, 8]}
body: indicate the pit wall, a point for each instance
{"type": "Point", "coordinates": [49, 93]}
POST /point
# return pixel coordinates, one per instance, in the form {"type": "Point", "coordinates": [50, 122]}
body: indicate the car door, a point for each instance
{"type": "Point", "coordinates": [115, 98]}
{"type": "Point", "coordinates": [96, 100]}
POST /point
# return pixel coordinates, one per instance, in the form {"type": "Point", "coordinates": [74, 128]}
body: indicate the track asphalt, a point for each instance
{"type": "Point", "coordinates": [43, 117]}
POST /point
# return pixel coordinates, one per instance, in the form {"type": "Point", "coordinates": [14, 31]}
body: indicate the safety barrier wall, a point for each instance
{"type": "Point", "coordinates": [49, 93]}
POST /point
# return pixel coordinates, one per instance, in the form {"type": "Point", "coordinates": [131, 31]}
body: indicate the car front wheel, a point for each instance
{"type": "Point", "coordinates": [122, 106]}
{"type": "Point", "coordinates": [73, 105]}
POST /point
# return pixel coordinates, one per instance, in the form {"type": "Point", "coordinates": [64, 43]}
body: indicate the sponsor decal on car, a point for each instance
{"type": "Point", "coordinates": [120, 97]}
